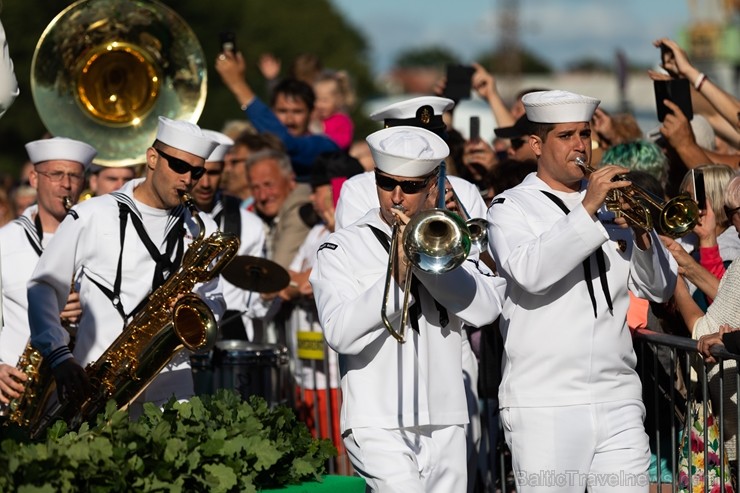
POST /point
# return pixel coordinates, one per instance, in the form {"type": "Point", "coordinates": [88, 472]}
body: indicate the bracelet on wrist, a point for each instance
{"type": "Point", "coordinates": [699, 81]}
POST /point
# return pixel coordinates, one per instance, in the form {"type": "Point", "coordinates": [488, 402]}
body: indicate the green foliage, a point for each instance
{"type": "Point", "coordinates": [216, 443]}
{"type": "Point", "coordinates": [499, 62]}
{"type": "Point", "coordinates": [432, 57]}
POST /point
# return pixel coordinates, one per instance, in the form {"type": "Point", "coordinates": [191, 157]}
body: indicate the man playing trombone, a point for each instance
{"type": "Point", "coordinates": [571, 400]}
{"type": "Point", "coordinates": [404, 404]}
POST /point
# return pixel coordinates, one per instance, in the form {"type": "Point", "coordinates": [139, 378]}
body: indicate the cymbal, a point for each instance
{"type": "Point", "coordinates": [256, 274]}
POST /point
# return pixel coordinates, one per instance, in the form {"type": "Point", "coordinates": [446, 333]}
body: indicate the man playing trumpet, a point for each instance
{"type": "Point", "coordinates": [571, 400]}
{"type": "Point", "coordinates": [404, 406]}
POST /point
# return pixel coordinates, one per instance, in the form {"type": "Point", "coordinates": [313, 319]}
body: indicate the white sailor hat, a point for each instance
{"type": "Point", "coordinates": [407, 151]}
{"type": "Point", "coordinates": [425, 112]}
{"type": "Point", "coordinates": [61, 148]}
{"type": "Point", "coordinates": [224, 145]}
{"type": "Point", "coordinates": [558, 107]}
{"type": "Point", "coordinates": [185, 136]}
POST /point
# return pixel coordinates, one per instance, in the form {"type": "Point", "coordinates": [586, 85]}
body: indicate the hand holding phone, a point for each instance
{"type": "Point", "coordinates": [228, 41]}
{"type": "Point", "coordinates": [677, 91]}
{"type": "Point", "coordinates": [474, 128]}
{"type": "Point", "coordinates": [459, 82]}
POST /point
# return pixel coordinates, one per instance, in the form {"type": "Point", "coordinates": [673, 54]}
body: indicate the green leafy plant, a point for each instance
{"type": "Point", "coordinates": [217, 443]}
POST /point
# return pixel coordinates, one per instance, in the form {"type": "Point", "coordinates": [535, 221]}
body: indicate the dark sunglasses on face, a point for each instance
{"type": "Point", "coordinates": [407, 186]}
{"type": "Point", "coordinates": [731, 212]}
{"type": "Point", "coordinates": [181, 167]}
{"type": "Point", "coordinates": [516, 144]}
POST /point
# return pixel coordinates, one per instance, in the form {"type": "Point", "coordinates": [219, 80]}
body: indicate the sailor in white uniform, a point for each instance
{"type": "Point", "coordinates": [571, 400]}
{"type": "Point", "coordinates": [114, 241]}
{"type": "Point", "coordinates": [358, 195]}
{"type": "Point", "coordinates": [404, 405]}
{"type": "Point", "coordinates": [58, 175]}
{"type": "Point", "coordinates": [230, 217]}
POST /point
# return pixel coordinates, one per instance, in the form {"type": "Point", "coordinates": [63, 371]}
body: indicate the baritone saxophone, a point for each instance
{"type": "Point", "coordinates": [156, 333]}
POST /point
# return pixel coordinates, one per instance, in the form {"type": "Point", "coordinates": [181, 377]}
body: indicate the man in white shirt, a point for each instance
{"type": "Point", "coordinates": [125, 244]}
{"type": "Point", "coordinates": [571, 401]}
{"type": "Point", "coordinates": [58, 176]}
{"type": "Point", "coordinates": [230, 217]}
{"type": "Point", "coordinates": [404, 406]}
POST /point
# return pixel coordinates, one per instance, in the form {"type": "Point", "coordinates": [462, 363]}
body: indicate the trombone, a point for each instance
{"type": "Point", "coordinates": [477, 226]}
{"type": "Point", "coordinates": [675, 217]}
{"type": "Point", "coordinates": [435, 241]}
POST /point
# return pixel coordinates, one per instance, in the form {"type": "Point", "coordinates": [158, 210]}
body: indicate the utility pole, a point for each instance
{"type": "Point", "coordinates": [508, 43]}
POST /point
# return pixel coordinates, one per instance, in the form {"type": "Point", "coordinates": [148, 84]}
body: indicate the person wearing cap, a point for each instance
{"type": "Point", "coordinates": [288, 116]}
{"type": "Point", "coordinates": [518, 135]}
{"type": "Point", "coordinates": [330, 171]}
{"type": "Point", "coordinates": [358, 193]}
{"type": "Point", "coordinates": [107, 179]}
{"type": "Point", "coordinates": [58, 174]}
{"type": "Point", "coordinates": [230, 217]}
{"type": "Point", "coordinates": [125, 244]}
{"type": "Point", "coordinates": [571, 401]}
{"type": "Point", "coordinates": [404, 406]}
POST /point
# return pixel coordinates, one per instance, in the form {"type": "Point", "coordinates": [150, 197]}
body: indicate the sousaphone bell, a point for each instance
{"type": "Point", "coordinates": [104, 70]}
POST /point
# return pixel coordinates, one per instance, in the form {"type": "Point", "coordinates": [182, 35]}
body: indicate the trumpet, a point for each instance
{"type": "Point", "coordinates": [676, 217]}
{"type": "Point", "coordinates": [434, 241]}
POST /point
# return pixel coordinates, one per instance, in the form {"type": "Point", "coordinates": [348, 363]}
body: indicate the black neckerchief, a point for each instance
{"type": "Point", "coordinates": [166, 264]}
{"type": "Point", "coordinates": [600, 262]}
{"type": "Point", "coordinates": [415, 309]}
{"type": "Point", "coordinates": [33, 232]}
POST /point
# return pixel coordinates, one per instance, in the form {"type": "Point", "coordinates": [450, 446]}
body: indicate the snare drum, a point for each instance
{"type": "Point", "coordinates": [252, 369]}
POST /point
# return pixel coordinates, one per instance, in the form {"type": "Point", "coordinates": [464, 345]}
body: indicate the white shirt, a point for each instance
{"type": "Point", "coordinates": [384, 383]}
{"type": "Point", "coordinates": [252, 242]}
{"type": "Point", "coordinates": [556, 352]}
{"type": "Point", "coordinates": [18, 258]}
{"type": "Point", "coordinates": [88, 240]}
{"type": "Point", "coordinates": [359, 194]}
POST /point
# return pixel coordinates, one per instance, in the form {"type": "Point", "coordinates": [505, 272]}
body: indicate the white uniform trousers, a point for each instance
{"type": "Point", "coordinates": [599, 447]}
{"type": "Point", "coordinates": [421, 459]}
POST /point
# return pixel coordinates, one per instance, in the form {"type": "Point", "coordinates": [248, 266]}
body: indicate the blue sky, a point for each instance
{"type": "Point", "coordinates": [558, 30]}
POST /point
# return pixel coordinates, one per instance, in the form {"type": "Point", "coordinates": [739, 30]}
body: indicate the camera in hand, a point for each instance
{"type": "Point", "coordinates": [697, 183]}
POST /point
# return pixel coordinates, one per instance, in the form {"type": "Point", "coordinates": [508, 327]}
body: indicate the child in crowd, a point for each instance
{"type": "Point", "coordinates": [333, 99]}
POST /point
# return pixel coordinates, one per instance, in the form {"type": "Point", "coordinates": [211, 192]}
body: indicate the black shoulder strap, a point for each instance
{"type": "Point", "coordinates": [600, 262]}
{"type": "Point", "coordinates": [232, 222]}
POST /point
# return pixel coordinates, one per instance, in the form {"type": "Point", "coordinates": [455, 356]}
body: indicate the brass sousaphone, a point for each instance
{"type": "Point", "coordinates": [104, 70]}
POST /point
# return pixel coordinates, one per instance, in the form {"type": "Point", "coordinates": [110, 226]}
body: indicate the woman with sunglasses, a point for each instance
{"type": "Point", "coordinates": [125, 244]}
{"type": "Point", "coordinates": [404, 406]}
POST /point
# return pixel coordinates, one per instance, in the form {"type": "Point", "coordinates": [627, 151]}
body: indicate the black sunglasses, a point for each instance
{"type": "Point", "coordinates": [731, 212]}
{"type": "Point", "coordinates": [407, 186]}
{"type": "Point", "coordinates": [181, 167]}
{"type": "Point", "coordinates": [516, 144]}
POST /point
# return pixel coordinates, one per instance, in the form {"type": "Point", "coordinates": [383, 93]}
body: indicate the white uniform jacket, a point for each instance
{"type": "Point", "coordinates": [89, 241]}
{"type": "Point", "coordinates": [386, 384]}
{"type": "Point", "coordinates": [19, 258]}
{"type": "Point", "coordinates": [556, 352]}
{"type": "Point", "coordinates": [359, 194]}
{"type": "Point", "coordinates": [252, 242]}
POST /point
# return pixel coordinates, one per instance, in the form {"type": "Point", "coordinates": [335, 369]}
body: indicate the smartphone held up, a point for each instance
{"type": "Point", "coordinates": [228, 41]}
